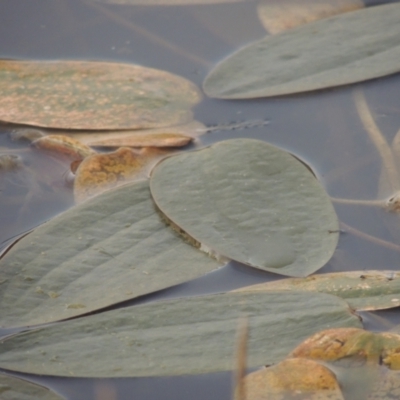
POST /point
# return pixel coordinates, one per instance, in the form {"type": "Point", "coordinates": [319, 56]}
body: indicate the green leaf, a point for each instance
{"type": "Point", "coordinates": [177, 337]}
{"type": "Point", "coordinates": [362, 290]}
{"type": "Point", "coordinates": [12, 388]}
{"type": "Point", "coordinates": [93, 95]}
{"type": "Point", "coordinates": [107, 250]}
{"type": "Point", "coordinates": [251, 202]}
{"type": "Point", "coordinates": [343, 49]}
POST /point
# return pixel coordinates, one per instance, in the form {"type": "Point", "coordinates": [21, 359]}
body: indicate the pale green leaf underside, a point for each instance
{"type": "Point", "coordinates": [351, 47]}
{"type": "Point", "coordinates": [181, 336]}
{"type": "Point", "coordinates": [362, 290]}
{"type": "Point", "coordinates": [251, 202]}
{"type": "Point", "coordinates": [12, 388]}
{"type": "Point", "coordinates": [107, 250]}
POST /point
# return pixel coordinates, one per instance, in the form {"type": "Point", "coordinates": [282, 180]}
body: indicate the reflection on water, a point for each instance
{"type": "Point", "coordinates": [320, 128]}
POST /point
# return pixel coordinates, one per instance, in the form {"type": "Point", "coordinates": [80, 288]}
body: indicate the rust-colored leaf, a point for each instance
{"type": "Point", "coordinates": [93, 95]}
{"type": "Point", "coordinates": [293, 378]}
{"type": "Point", "coordinates": [280, 15]}
{"type": "Point", "coordinates": [101, 172]}
{"type": "Point", "coordinates": [64, 146]}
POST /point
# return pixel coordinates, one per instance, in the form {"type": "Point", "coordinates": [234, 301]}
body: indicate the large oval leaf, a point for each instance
{"type": "Point", "coordinates": [343, 49]}
{"type": "Point", "coordinates": [363, 290]}
{"type": "Point", "coordinates": [181, 336]}
{"type": "Point", "coordinates": [93, 95]}
{"type": "Point", "coordinates": [12, 388]}
{"type": "Point", "coordinates": [107, 250]}
{"type": "Point", "coordinates": [251, 202]}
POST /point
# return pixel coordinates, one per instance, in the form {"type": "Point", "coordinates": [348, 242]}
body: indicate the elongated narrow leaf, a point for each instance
{"type": "Point", "coordinates": [93, 95]}
{"type": "Point", "coordinates": [110, 249]}
{"type": "Point", "coordinates": [363, 290]}
{"type": "Point", "coordinates": [251, 202]}
{"type": "Point", "coordinates": [12, 388]}
{"type": "Point", "coordinates": [343, 49]}
{"type": "Point", "coordinates": [181, 336]}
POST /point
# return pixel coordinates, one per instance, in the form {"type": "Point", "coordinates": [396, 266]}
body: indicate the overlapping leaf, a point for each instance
{"type": "Point", "coordinates": [12, 388]}
{"type": "Point", "coordinates": [363, 290]}
{"type": "Point", "coordinates": [249, 201]}
{"type": "Point", "coordinates": [93, 95]}
{"type": "Point", "coordinates": [343, 49]}
{"type": "Point", "coordinates": [181, 336]}
{"type": "Point", "coordinates": [107, 250]}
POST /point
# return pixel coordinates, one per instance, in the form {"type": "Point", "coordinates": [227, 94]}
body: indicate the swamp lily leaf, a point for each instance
{"type": "Point", "coordinates": [93, 95]}
{"type": "Point", "coordinates": [363, 290]}
{"type": "Point", "coordinates": [12, 388]}
{"type": "Point", "coordinates": [101, 172]}
{"type": "Point", "coordinates": [280, 15]}
{"type": "Point", "coordinates": [251, 202]}
{"type": "Point", "coordinates": [176, 337]}
{"type": "Point", "coordinates": [347, 48]}
{"type": "Point", "coordinates": [107, 250]}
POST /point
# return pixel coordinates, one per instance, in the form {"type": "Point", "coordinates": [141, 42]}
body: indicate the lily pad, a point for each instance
{"type": "Point", "coordinates": [363, 290]}
{"type": "Point", "coordinates": [176, 337]}
{"type": "Point", "coordinates": [347, 48]}
{"type": "Point", "coordinates": [279, 15]}
{"type": "Point", "coordinates": [251, 202]}
{"type": "Point", "coordinates": [107, 250]}
{"type": "Point", "coordinates": [12, 388]}
{"type": "Point", "coordinates": [93, 95]}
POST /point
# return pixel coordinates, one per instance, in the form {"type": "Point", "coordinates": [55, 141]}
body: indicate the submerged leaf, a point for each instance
{"type": "Point", "coordinates": [12, 388]}
{"type": "Point", "coordinates": [280, 15]}
{"type": "Point", "coordinates": [173, 136]}
{"type": "Point", "coordinates": [343, 49]}
{"type": "Point", "coordinates": [101, 172]}
{"type": "Point", "coordinates": [181, 336]}
{"type": "Point", "coordinates": [363, 290]}
{"type": "Point", "coordinates": [107, 250]}
{"type": "Point", "coordinates": [293, 378]}
{"type": "Point", "coordinates": [249, 201]}
{"type": "Point", "coordinates": [93, 95]}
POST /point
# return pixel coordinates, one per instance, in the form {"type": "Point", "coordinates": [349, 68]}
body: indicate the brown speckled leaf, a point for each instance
{"type": "Point", "coordinates": [279, 15]}
{"type": "Point", "coordinates": [93, 95]}
{"type": "Point", "coordinates": [101, 172]}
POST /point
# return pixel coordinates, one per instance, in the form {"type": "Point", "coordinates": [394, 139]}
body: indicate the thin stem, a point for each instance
{"type": "Point", "coordinates": [241, 359]}
{"type": "Point", "coordinates": [378, 139]}
{"type": "Point", "coordinates": [370, 238]}
{"type": "Point", "coordinates": [373, 203]}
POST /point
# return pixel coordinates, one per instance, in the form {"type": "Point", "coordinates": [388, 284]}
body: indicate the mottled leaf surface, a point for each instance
{"type": "Point", "coordinates": [176, 337]}
{"type": "Point", "coordinates": [93, 95]}
{"type": "Point", "coordinates": [107, 250]}
{"type": "Point", "coordinates": [363, 290]}
{"type": "Point", "coordinates": [249, 201]}
{"type": "Point", "coordinates": [343, 49]}
{"type": "Point", "coordinates": [12, 388]}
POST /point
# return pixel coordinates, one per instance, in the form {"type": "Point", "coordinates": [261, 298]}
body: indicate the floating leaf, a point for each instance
{"type": "Point", "coordinates": [293, 378]}
{"type": "Point", "coordinates": [101, 172]}
{"type": "Point", "coordinates": [166, 2]}
{"type": "Point", "coordinates": [363, 290]}
{"type": "Point", "coordinates": [280, 15]}
{"type": "Point", "coordinates": [174, 136]}
{"type": "Point", "coordinates": [12, 388]}
{"type": "Point", "coordinates": [93, 95]}
{"type": "Point", "coordinates": [107, 250]}
{"type": "Point", "coordinates": [343, 49]}
{"type": "Point", "coordinates": [64, 146]}
{"type": "Point", "coordinates": [249, 201]}
{"type": "Point", "coordinates": [181, 336]}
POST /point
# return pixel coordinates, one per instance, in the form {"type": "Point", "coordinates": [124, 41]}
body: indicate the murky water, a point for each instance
{"type": "Point", "coordinates": [320, 128]}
